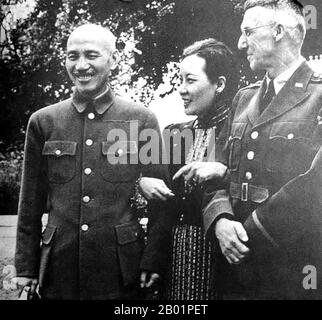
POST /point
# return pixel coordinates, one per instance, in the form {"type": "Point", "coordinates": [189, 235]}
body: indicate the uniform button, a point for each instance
{"type": "Point", "coordinates": [118, 152]}
{"type": "Point", "coordinates": [319, 120]}
{"type": "Point", "coordinates": [144, 221]}
{"type": "Point", "coordinates": [58, 152]}
{"type": "Point", "coordinates": [254, 135]}
{"type": "Point", "coordinates": [88, 171]}
{"type": "Point", "coordinates": [86, 199]}
{"type": "Point", "coordinates": [248, 175]}
{"type": "Point", "coordinates": [290, 136]}
{"type": "Point", "coordinates": [250, 155]}
{"type": "Point", "coordinates": [91, 116]}
{"type": "Point", "coordinates": [89, 142]}
{"type": "Point", "coordinates": [84, 227]}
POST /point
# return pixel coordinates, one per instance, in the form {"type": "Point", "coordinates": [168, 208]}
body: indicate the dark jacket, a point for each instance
{"type": "Point", "coordinates": [275, 188]}
{"type": "Point", "coordinates": [92, 246]}
{"type": "Point", "coordinates": [178, 140]}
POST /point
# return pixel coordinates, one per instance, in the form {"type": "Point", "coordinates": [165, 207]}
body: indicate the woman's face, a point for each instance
{"type": "Point", "coordinates": [196, 91]}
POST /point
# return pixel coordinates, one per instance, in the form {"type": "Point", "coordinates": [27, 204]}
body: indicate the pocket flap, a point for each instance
{"type": "Point", "coordinates": [119, 148]}
{"type": "Point", "coordinates": [59, 148]}
{"type": "Point", "coordinates": [238, 129]}
{"type": "Point", "coordinates": [292, 130]}
{"type": "Point", "coordinates": [48, 234]}
{"type": "Point", "coordinates": [127, 232]}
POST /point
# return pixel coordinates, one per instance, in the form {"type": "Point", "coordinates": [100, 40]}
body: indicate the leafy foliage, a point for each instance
{"type": "Point", "coordinates": [10, 173]}
{"type": "Point", "coordinates": [151, 36]}
{"type": "Point", "coordinates": [151, 33]}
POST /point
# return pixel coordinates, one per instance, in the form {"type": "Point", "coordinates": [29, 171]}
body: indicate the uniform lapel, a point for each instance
{"type": "Point", "coordinates": [253, 107]}
{"type": "Point", "coordinates": [293, 93]}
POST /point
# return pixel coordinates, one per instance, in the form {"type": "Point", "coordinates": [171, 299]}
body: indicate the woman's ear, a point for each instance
{"type": "Point", "coordinates": [221, 84]}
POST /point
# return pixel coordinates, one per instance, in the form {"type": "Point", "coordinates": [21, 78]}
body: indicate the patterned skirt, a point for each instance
{"type": "Point", "coordinates": [190, 265]}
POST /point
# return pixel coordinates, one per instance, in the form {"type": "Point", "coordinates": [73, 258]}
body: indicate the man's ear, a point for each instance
{"type": "Point", "coordinates": [279, 32]}
{"type": "Point", "coordinates": [115, 57]}
{"type": "Point", "coordinates": [221, 84]}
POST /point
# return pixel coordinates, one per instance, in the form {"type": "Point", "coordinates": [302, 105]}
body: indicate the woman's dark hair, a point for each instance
{"type": "Point", "coordinates": [220, 61]}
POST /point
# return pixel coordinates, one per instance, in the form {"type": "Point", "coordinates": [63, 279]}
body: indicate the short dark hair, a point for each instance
{"type": "Point", "coordinates": [219, 58]}
{"type": "Point", "coordinates": [220, 61]}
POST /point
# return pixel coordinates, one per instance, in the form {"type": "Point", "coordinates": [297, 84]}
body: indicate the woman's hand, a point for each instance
{"type": "Point", "coordinates": [199, 172]}
{"type": "Point", "coordinates": [154, 189]}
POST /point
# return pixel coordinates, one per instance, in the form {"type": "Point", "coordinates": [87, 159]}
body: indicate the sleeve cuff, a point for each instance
{"type": "Point", "coordinates": [257, 233]}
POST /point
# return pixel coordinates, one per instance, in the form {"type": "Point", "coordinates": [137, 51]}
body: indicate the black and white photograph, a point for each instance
{"type": "Point", "coordinates": [165, 150]}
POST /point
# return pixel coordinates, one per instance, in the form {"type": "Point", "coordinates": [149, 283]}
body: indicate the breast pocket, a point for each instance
{"type": "Point", "coordinates": [119, 161]}
{"type": "Point", "coordinates": [235, 145]}
{"type": "Point", "coordinates": [61, 160]}
{"type": "Point", "coordinates": [290, 147]}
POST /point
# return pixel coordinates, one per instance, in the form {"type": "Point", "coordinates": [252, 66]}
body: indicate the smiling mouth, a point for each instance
{"type": "Point", "coordinates": [186, 102]}
{"type": "Point", "coordinates": [83, 78]}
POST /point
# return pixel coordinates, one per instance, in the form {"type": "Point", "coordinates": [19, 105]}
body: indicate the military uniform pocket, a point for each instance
{"type": "Point", "coordinates": [130, 250]}
{"type": "Point", "coordinates": [46, 245]}
{"type": "Point", "coordinates": [235, 145]}
{"type": "Point", "coordinates": [61, 160]}
{"type": "Point", "coordinates": [119, 161]}
{"type": "Point", "coordinates": [290, 147]}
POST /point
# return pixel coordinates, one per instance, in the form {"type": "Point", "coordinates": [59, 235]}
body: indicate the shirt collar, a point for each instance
{"type": "Point", "coordinates": [281, 79]}
{"type": "Point", "coordinates": [101, 103]}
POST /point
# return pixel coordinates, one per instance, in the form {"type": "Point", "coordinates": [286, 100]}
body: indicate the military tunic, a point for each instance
{"type": "Point", "coordinates": [275, 186]}
{"type": "Point", "coordinates": [92, 247]}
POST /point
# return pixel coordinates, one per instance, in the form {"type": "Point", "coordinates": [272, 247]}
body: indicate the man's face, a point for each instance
{"type": "Point", "coordinates": [196, 91]}
{"type": "Point", "coordinates": [89, 62]}
{"type": "Point", "coordinates": [257, 38]}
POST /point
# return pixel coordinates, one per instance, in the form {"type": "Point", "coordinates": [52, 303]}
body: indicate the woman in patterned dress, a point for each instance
{"type": "Point", "coordinates": [208, 84]}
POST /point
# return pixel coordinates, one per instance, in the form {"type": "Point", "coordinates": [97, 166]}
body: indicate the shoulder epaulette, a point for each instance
{"type": "Point", "coordinates": [253, 85]}
{"type": "Point", "coordinates": [316, 77]}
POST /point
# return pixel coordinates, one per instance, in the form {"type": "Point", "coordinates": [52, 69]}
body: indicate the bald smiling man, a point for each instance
{"type": "Point", "coordinates": [92, 247]}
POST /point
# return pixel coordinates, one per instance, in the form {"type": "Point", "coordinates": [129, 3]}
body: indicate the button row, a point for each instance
{"type": "Point", "coordinates": [254, 135]}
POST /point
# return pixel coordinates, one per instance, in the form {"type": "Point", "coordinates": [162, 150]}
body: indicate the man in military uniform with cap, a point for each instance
{"type": "Point", "coordinates": [78, 165]}
{"type": "Point", "coordinates": [268, 221]}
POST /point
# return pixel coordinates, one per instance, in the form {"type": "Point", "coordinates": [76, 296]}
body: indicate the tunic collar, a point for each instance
{"type": "Point", "coordinates": [101, 103]}
{"type": "Point", "coordinates": [220, 114]}
{"type": "Point", "coordinates": [281, 79]}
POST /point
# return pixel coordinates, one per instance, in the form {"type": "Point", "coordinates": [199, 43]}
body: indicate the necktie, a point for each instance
{"type": "Point", "coordinates": [267, 97]}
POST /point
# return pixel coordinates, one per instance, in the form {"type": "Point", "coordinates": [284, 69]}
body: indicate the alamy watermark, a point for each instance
{"type": "Point", "coordinates": [147, 146]}
{"type": "Point", "coordinates": [311, 17]}
{"type": "Point", "coordinates": [310, 280]}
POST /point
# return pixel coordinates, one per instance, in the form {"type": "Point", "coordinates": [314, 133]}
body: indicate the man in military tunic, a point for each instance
{"type": "Point", "coordinates": [268, 222]}
{"type": "Point", "coordinates": [77, 167]}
